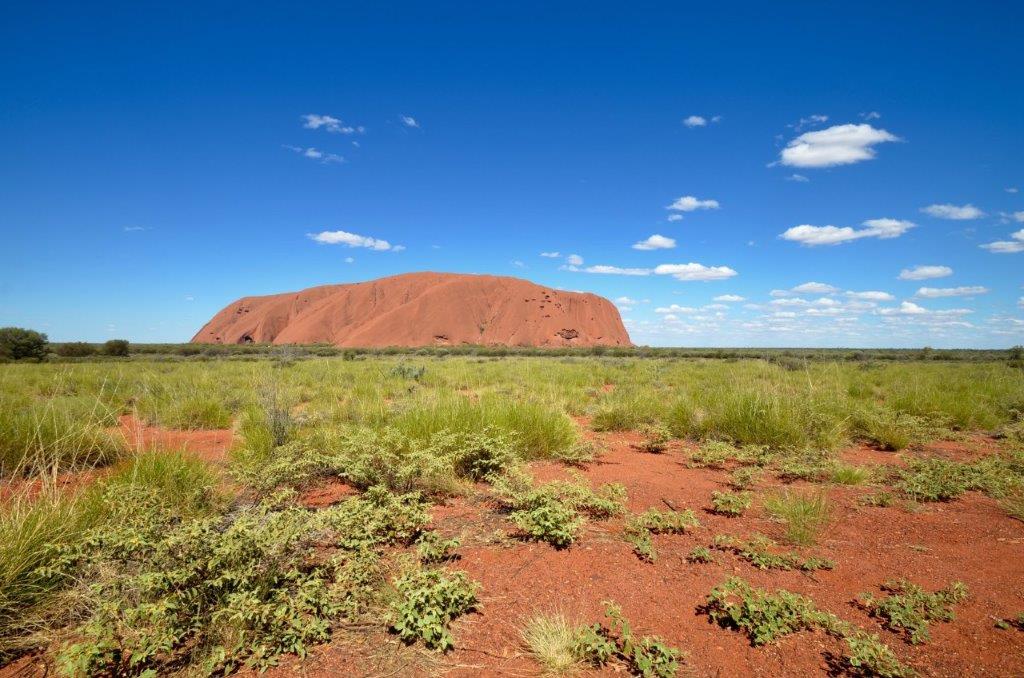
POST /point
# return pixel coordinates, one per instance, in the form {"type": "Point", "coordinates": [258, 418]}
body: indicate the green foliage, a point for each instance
{"type": "Point", "coordinates": [655, 438]}
{"type": "Point", "coordinates": [55, 435]}
{"type": "Point", "coordinates": [17, 343]}
{"type": "Point", "coordinates": [758, 551]}
{"type": "Point", "coordinates": [843, 474]}
{"type": "Point", "coordinates": [802, 514]}
{"type": "Point", "coordinates": [116, 347]}
{"type": "Point", "coordinates": [640, 527]}
{"type": "Point", "coordinates": [406, 371]}
{"type": "Point", "coordinates": [910, 609]}
{"type": "Point", "coordinates": [74, 349]}
{"type": "Point", "coordinates": [730, 504]}
{"type": "Point", "coordinates": [163, 589]}
{"type": "Point", "coordinates": [428, 600]}
{"type": "Point", "coordinates": [881, 499]}
{"type": "Point", "coordinates": [717, 454]}
{"type": "Point", "coordinates": [432, 549]}
{"type": "Point", "coordinates": [935, 479]}
{"type": "Point", "coordinates": [765, 617]}
{"type": "Point", "coordinates": [550, 512]}
{"type": "Point", "coordinates": [700, 554]}
{"type": "Point", "coordinates": [744, 478]}
{"type": "Point", "coordinates": [644, 656]}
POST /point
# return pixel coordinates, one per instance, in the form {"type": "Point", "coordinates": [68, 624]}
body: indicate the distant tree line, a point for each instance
{"type": "Point", "coordinates": [19, 344]}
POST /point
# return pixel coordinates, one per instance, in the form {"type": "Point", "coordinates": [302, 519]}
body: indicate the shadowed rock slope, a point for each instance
{"type": "Point", "coordinates": [422, 309]}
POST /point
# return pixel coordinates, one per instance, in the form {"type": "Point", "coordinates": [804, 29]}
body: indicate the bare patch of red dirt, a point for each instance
{"type": "Point", "coordinates": [210, 445]}
{"type": "Point", "coordinates": [327, 493]}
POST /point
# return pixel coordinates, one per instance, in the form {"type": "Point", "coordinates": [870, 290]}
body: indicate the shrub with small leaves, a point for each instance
{"type": "Point", "coordinates": [909, 608]}
{"type": "Point", "coordinates": [730, 504]}
{"type": "Point", "coordinates": [758, 551]}
{"type": "Point", "coordinates": [646, 656]}
{"type": "Point", "coordinates": [432, 549]}
{"type": "Point", "coordinates": [655, 438]}
{"type": "Point", "coordinates": [428, 600]}
{"type": "Point", "coordinates": [640, 527]}
{"type": "Point", "coordinates": [700, 554]}
{"type": "Point", "coordinates": [765, 617]}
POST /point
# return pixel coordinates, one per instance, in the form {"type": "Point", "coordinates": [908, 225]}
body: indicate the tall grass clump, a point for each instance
{"type": "Point", "coordinates": [803, 515]}
{"type": "Point", "coordinates": [54, 436]}
{"type": "Point", "coordinates": [552, 641]}
{"type": "Point", "coordinates": [540, 431]}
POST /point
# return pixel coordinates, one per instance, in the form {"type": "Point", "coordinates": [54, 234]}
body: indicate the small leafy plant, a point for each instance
{"type": "Point", "coordinates": [758, 551]}
{"type": "Point", "coordinates": [910, 609]}
{"type": "Point", "coordinates": [731, 504]}
{"type": "Point", "coordinates": [802, 514]}
{"type": "Point", "coordinates": [765, 617]}
{"type": "Point", "coordinates": [646, 656]}
{"type": "Point", "coordinates": [655, 438]}
{"type": "Point", "coordinates": [700, 554]}
{"type": "Point", "coordinates": [640, 527]}
{"type": "Point", "coordinates": [429, 599]}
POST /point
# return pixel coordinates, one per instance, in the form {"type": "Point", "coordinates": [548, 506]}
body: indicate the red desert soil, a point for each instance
{"type": "Point", "coordinates": [422, 309]}
{"type": "Point", "coordinates": [970, 540]}
{"type": "Point", "coordinates": [209, 445]}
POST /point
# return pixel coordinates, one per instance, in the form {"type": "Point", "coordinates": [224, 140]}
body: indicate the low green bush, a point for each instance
{"type": "Point", "coordinates": [910, 609]}
{"type": "Point", "coordinates": [428, 600]}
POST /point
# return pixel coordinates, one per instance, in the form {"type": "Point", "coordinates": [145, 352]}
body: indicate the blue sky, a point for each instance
{"type": "Point", "coordinates": [162, 159]}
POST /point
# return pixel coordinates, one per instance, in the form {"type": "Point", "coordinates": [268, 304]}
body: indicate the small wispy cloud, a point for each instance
{"type": "Point", "coordinates": [134, 229]}
{"type": "Point", "coordinates": [330, 124]}
{"type": "Point", "coordinates": [730, 298]}
{"type": "Point", "coordinates": [699, 120]}
{"type": "Point", "coordinates": [353, 240]}
{"type": "Point", "coordinates": [551, 255]}
{"type": "Point", "coordinates": [315, 154]}
{"type": "Point", "coordinates": [655, 242]}
{"type": "Point", "coordinates": [409, 121]}
{"type": "Point", "coordinates": [810, 121]}
{"type": "Point", "coordinates": [925, 272]}
{"type": "Point", "coordinates": [870, 295]}
{"type": "Point", "coordinates": [954, 212]}
{"type": "Point", "coordinates": [574, 260]}
{"type": "Point", "coordinates": [1011, 189]}
{"type": "Point", "coordinates": [812, 236]}
{"type": "Point", "coordinates": [940, 292]}
{"type": "Point", "coordinates": [799, 178]}
{"type": "Point", "coordinates": [834, 146]}
{"type": "Point", "coordinates": [1007, 246]}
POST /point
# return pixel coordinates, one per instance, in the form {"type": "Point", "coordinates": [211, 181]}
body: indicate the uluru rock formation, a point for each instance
{"type": "Point", "coordinates": [422, 309]}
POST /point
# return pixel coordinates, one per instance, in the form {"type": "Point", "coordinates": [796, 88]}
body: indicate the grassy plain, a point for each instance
{"type": "Point", "coordinates": [159, 560]}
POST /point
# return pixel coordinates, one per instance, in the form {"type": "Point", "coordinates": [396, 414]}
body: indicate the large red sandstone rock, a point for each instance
{"type": "Point", "coordinates": [422, 309]}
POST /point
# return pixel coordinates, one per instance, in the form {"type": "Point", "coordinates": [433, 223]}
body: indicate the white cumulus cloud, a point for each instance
{"type": "Point", "coordinates": [925, 272]}
{"type": "Point", "coordinates": [675, 308]}
{"type": "Point", "coordinates": [353, 240]}
{"type": "Point", "coordinates": [574, 260]}
{"type": "Point", "coordinates": [938, 292]}
{"type": "Point", "coordinates": [836, 145]}
{"type": "Point", "coordinates": [655, 242]}
{"type": "Point", "coordinates": [955, 212]}
{"type": "Point", "coordinates": [695, 121]}
{"type": "Point", "coordinates": [812, 236]}
{"type": "Point", "coordinates": [814, 288]}
{"type": "Point", "coordinates": [906, 308]}
{"type": "Point", "coordinates": [1007, 246]}
{"type": "Point", "coordinates": [551, 255]}
{"type": "Point", "coordinates": [689, 203]}
{"type": "Point", "coordinates": [729, 297]}
{"type": "Point", "coordinates": [692, 271]}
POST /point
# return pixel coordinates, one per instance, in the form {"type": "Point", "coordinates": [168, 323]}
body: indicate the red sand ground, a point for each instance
{"type": "Point", "coordinates": [971, 540]}
{"type": "Point", "coordinates": [422, 309]}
